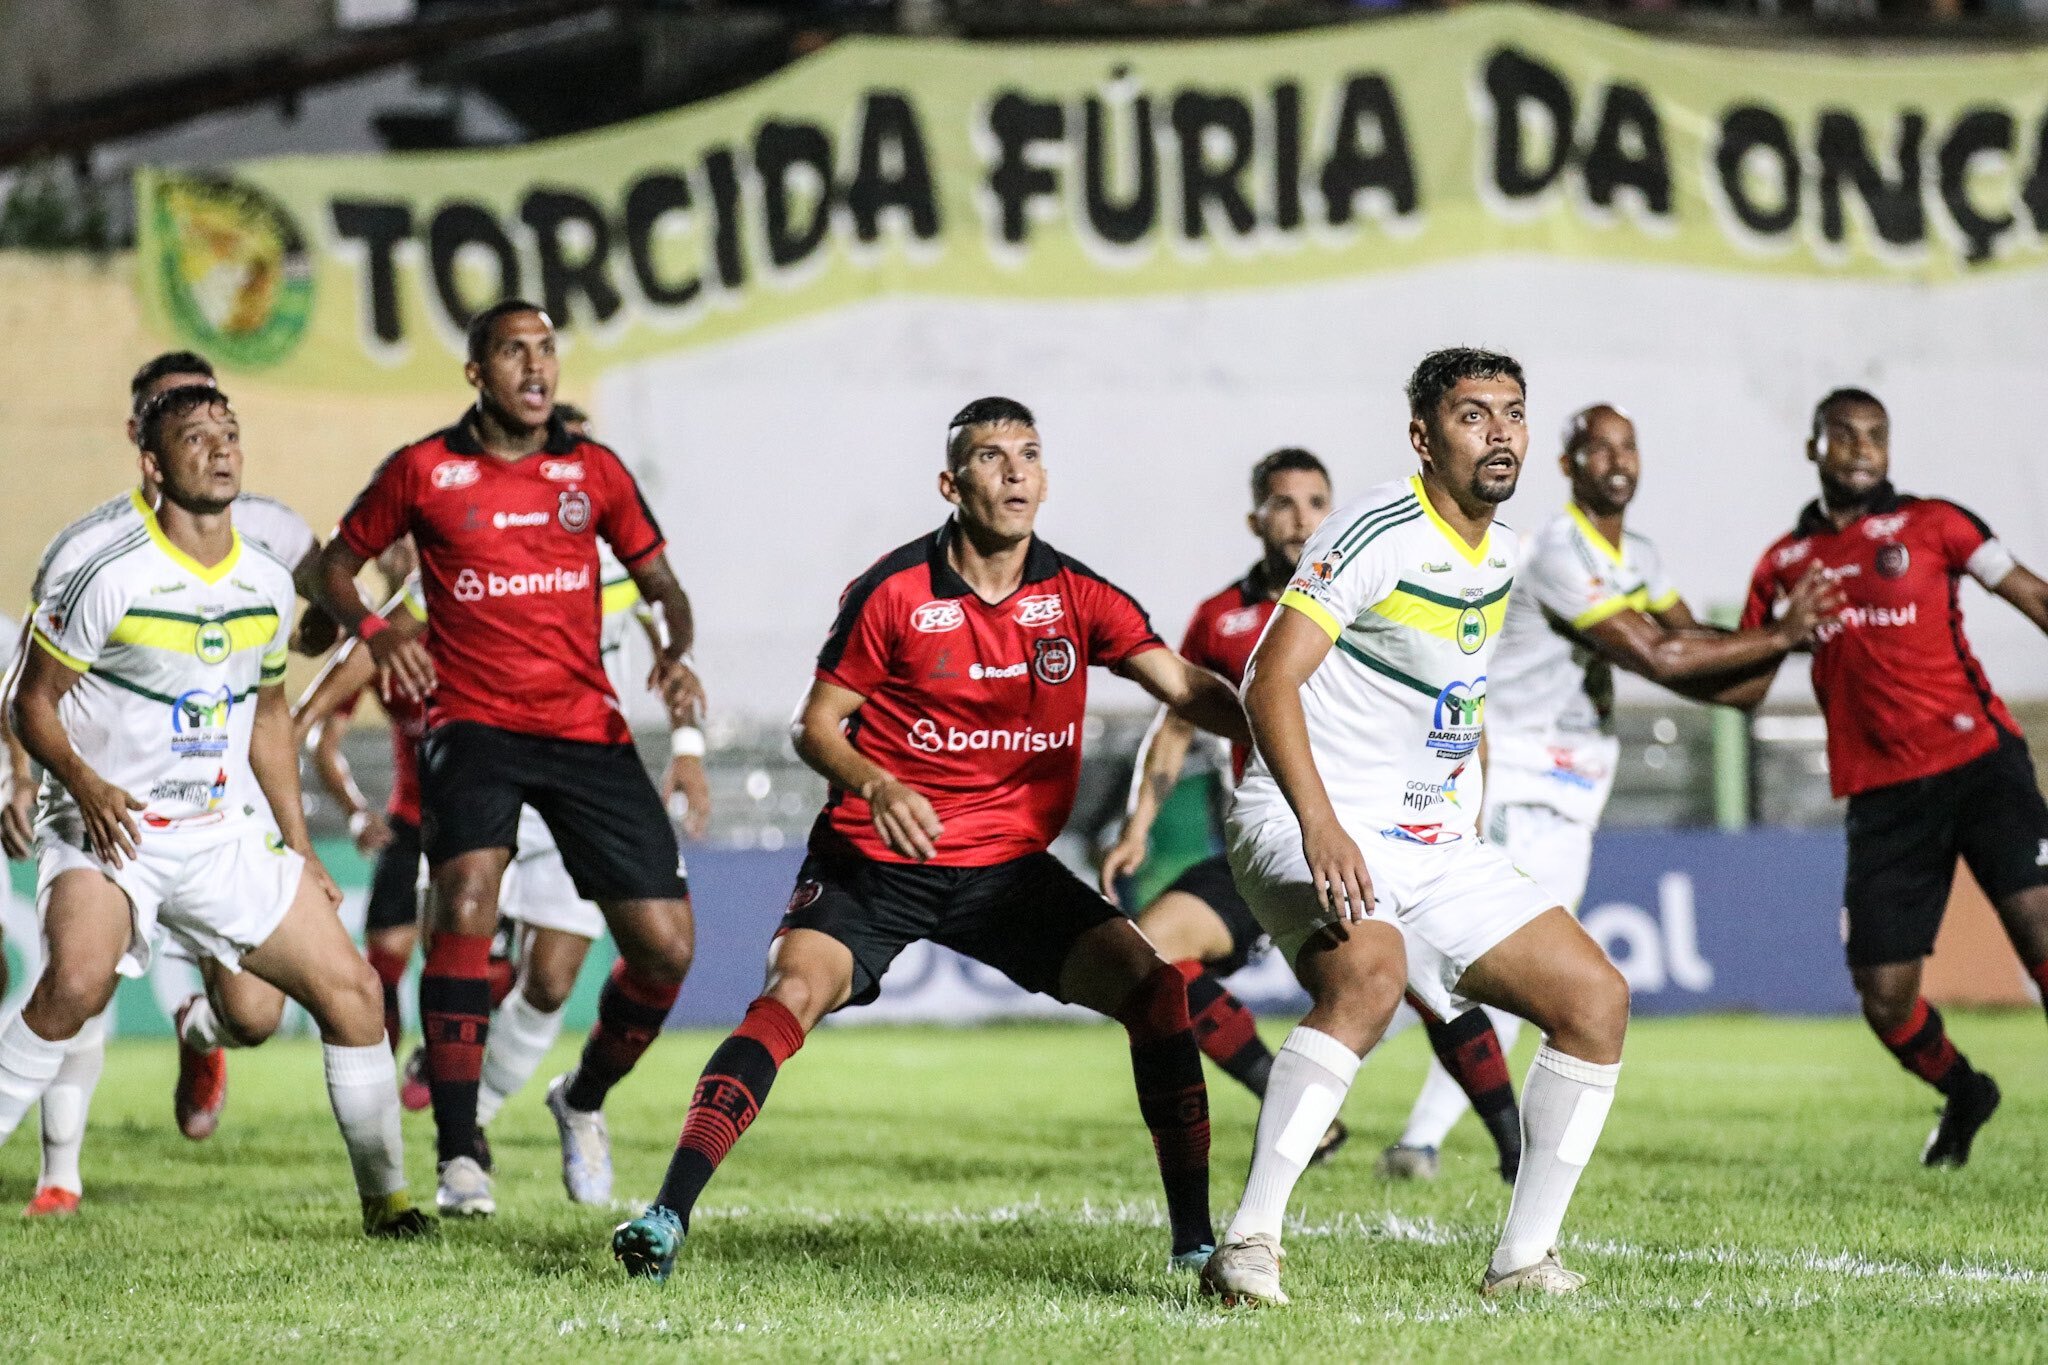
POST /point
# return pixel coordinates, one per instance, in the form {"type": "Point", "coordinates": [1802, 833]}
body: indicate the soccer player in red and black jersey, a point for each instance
{"type": "Point", "coordinates": [1928, 756]}
{"type": "Point", "coordinates": [505, 508]}
{"type": "Point", "coordinates": [946, 713]}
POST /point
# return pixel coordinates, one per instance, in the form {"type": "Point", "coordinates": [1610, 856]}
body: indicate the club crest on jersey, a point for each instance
{"type": "Point", "coordinates": [211, 642]}
{"type": "Point", "coordinates": [561, 471]}
{"type": "Point", "coordinates": [1471, 630]}
{"type": "Point", "coordinates": [572, 510]}
{"type": "Point", "coordinates": [936, 618]}
{"type": "Point", "coordinates": [1892, 560]}
{"type": "Point", "coordinates": [1053, 661]}
{"type": "Point", "coordinates": [1040, 611]}
{"type": "Point", "coordinates": [455, 474]}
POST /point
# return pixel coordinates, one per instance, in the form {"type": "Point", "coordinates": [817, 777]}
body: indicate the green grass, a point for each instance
{"type": "Point", "coordinates": [988, 1194]}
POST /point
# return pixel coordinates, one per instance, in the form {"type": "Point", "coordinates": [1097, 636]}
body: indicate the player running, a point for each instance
{"type": "Point", "coordinates": [1590, 596]}
{"type": "Point", "coordinates": [1930, 759]}
{"type": "Point", "coordinates": [946, 713]}
{"type": "Point", "coordinates": [1352, 836]}
{"type": "Point", "coordinates": [507, 509]}
{"type": "Point", "coordinates": [136, 701]}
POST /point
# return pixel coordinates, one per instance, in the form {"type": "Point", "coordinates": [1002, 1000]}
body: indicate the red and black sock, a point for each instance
{"type": "Point", "coordinates": [1470, 1050]}
{"type": "Point", "coordinates": [729, 1094]}
{"type": "Point", "coordinates": [1167, 1065]}
{"type": "Point", "coordinates": [390, 970]}
{"type": "Point", "coordinates": [455, 1020]}
{"type": "Point", "coordinates": [1921, 1044]}
{"type": "Point", "coordinates": [500, 972]}
{"type": "Point", "coordinates": [1224, 1028]}
{"type": "Point", "coordinates": [630, 1012]}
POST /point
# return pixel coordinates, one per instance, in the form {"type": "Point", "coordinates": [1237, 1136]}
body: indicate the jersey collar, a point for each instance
{"type": "Point", "coordinates": [178, 556]}
{"type": "Point", "coordinates": [1592, 533]}
{"type": "Point", "coordinates": [1041, 562]}
{"type": "Point", "coordinates": [461, 439]}
{"type": "Point", "coordinates": [1815, 521]}
{"type": "Point", "coordinates": [1471, 554]}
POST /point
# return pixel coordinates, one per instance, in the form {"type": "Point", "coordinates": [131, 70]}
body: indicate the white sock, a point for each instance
{"type": "Point", "coordinates": [1311, 1074]}
{"type": "Point", "coordinates": [1564, 1106]}
{"type": "Point", "coordinates": [28, 1064]}
{"type": "Point", "coordinates": [65, 1102]}
{"type": "Point", "coordinates": [520, 1038]}
{"type": "Point", "coordinates": [362, 1085]}
{"type": "Point", "coordinates": [1442, 1101]}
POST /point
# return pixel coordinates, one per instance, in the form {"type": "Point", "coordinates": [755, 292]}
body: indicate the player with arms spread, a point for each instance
{"type": "Point", "coordinates": [1930, 759]}
{"type": "Point", "coordinates": [506, 508]}
{"type": "Point", "coordinates": [136, 703]}
{"type": "Point", "coordinates": [946, 713]}
{"type": "Point", "coordinates": [1353, 838]}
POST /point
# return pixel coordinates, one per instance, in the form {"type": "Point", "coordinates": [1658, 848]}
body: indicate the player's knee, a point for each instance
{"type": "Point", "coordinates": [349, 1002]}
{"type": "Point", "coordinates": [70, 994]}
{"type": "Point", "coordinates": [664, 960]}
{"type": "Point", "coordinates": [547, 991]}
{"type": "Point", "coordinates": [250, 1022]}
{"type": "Point", "coordinates": [1599, 1007]}
{"type": "Point", "coordinates": [1367, 991]}
{"type": "Point", "coordinates": [468, 904]}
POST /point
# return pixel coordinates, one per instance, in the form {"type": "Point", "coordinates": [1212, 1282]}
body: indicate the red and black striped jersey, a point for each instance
{"type": "Point", "coordinates": [976, 705]}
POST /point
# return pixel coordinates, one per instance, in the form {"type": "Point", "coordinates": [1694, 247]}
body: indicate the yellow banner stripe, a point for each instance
{"type": "Point", "coordinates": [1313, 610]}
{"type": "Point", "coordinates": [1433, 618]}
{"type": "Point", "coordinates": [182, 637]}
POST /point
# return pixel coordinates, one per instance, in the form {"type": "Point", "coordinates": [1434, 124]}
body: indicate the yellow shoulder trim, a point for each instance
{"type": "Point", "coordinates": [1612, 607]}
{"type": "Point", "coordinates": [50, 648]}
{"type": "Point", "coordinates": [1592, 533]}
{"type": "Point", "coordinates": [1313, 610]}
{"type": "Point", "coordinates": [1666, 602]}
{"type": "Point", "coordinates": [179, 557]}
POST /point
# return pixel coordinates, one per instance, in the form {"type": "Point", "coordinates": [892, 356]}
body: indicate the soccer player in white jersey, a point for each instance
{"type": "Point", "coordinates": [1590, 597]}
{"type": "Point", "coordinates": [154, 700]}
{"type": "Point", "coordinates": [1353, 835]}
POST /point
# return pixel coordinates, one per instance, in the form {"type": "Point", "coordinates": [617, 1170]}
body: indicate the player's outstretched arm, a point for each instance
{"type": "Point", "coordinates": [903, 818]}
{"type": "Point", "coordinates": [1644, 645]}
{"type": "Point", "coordinates": [1294, 646]}
{"type": "Point", "coordinates": [106, 809]}
{"type": "Point", "coordinates": [2026, 590]}
{"type": "Point", "coordinates": [1161, 756]}
{"type": "Point", "coordinates": [675, 631]}
{"type": "Point", "coordinates": [1193, 693]}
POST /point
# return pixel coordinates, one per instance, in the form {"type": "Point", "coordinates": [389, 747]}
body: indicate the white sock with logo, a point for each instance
{"type": "Point", "coordinates": [1441, 1102]}
{"type": "Point", "coordinates": [28, 1064]}
{"type": "Point", "coordinates": [1564, 1107]}
{"type": "Point", "coordinates": [65, 1103]}
{"type": "Point", "coordinates": [1311, 1074]}
{"type": "Point", "coordinates": [362, 1085]}
{"type": "Point", "coordinates": [520, 1038]}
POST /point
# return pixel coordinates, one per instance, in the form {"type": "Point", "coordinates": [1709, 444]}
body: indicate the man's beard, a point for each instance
{"type": "Point", "coordinates": [1495, 494]}
{"type": "Point", "coordinates": [1836, 494]}
{"type": "Point", "coordinates": [195, 504]}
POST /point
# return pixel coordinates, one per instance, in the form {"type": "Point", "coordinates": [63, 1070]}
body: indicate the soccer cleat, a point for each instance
{"type": "Point", "coordinates": [465, 1190]}
{"type": "Point", "coordinates": [1961, 1117]}
{"type": "Point", "coordinates": [51, 1201]}
{"type": "Point", "coordinates": [202, 1082]}
{"type": "Point", "coordinates": [646, 1246]}
{"type": "Point", "coordinates": [1191, 1260]}
{"type": "Point", "coordinates": [413, 1091]}
{"type": "Point", "coordinates": [1407, 1163]}
{"type": "Point", "coordinates": [1335, 1136]}
{"type": "Point", "coordinates": [1547, 1276]}
{"type": "Point", "coordinates": [1246, 1271]}
{"type": "Point", "coordinates": [393, 1215]}
{"type": "Point", "coordinates": [586, 1147]}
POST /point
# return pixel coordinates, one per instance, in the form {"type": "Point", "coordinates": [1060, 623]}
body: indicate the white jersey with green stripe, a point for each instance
{"type": "Point", "coordinates": [1394, 711]}
{"type": "Point", "coordinates": [170, 655]}
{"type": "Point", "coordinates": [1550, 735]}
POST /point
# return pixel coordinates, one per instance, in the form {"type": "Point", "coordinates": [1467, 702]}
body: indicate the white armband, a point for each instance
{"type": "Point", "coordinates": [686, 741]}
{"type": "Point", "coordinates": [1991, 563]}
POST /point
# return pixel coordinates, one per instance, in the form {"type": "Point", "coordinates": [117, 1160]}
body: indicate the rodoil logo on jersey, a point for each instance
{"type": "Point", "coordinates": [1460, 712]}
{"type": "Point", "coordinates": [199, 723]}
{"type": "Point", "coordinates": [926, 736]}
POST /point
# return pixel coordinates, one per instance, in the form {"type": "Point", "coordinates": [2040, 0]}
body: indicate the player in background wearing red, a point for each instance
{"type": "Point", "coordinates": [1930, 759]}
{"type": "Point", "coordinates": [946, 713]}
{"type": "Point", "coordinates": [506, 508]}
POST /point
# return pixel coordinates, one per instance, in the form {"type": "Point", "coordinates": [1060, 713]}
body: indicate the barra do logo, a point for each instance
{"type": "Point", "coordinates": [235, 272]}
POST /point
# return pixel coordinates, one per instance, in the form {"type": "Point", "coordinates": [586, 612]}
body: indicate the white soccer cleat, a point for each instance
{"type": "Point", "coordinates": [1246, 1271]}
{"type": "Point", "coordinates": [465, 1190]}
{"type": "Point", "coordinates": [1407, 1163]}
{"type": "Point", "coordinates": [586, 1147]}
{"type": "Point", "coordinates": [1547, 1276]}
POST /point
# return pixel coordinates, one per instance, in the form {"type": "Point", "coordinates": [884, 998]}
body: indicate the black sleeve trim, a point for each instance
{"type": "Point", "coordinates": [1969, 516]}
{"type": "Point", "coordinates": [855, 599]}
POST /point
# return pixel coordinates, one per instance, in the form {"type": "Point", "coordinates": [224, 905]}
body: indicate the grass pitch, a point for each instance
{"type": "Point", "coordinates": [927, 1194]}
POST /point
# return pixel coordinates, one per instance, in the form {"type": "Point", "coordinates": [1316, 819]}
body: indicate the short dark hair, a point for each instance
{"type": "Point", "coordinates": [1440, 372]}
{"type": "Point", "coordinates": [1835, 396]}
{"type": "Point", "coordinates": [170, 405]}
{"type": "Point", "coordinates": [484, 324]}
{"type": "Point", "coordinates": [982, 412]}
{"type": "Point", "coordinates": [170, 362]}
{"type": "Point", "coordinates": [1279, 462]}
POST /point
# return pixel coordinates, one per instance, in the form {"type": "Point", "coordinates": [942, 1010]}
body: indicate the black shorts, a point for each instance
{"type": "Point", "coordinates": [615, 838]}
{"type": "Point", "coordinates": [1209, 882]}
{"type": "Point", "coordinates": [1022, 917]}
{"type": "Point", "coordinates": [395, 883]}
{"type": "Point", "coordinates": [1904, 841]}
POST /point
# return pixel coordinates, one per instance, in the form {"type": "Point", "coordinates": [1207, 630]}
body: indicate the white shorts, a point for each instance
{"type": "Point", "coordinates": [1554, 849]}
{"type": "Point", "coordinates": [537, 890]}
{"type": "Point", "coordinates": [218, 890]}
{"type": "Point", "coordinates": [1452, 901]}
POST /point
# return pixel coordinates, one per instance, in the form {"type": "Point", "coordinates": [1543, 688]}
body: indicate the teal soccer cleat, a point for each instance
{"type": "Point", "coordinates": [646, 1246]}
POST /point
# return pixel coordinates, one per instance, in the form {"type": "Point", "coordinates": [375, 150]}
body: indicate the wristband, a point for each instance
{"type": "Point", "coordinates": [686, 741]}
{"type": "Point", "coordinates": [358, 821]}
{"type": "Point", "coordinates": [371, 626]}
